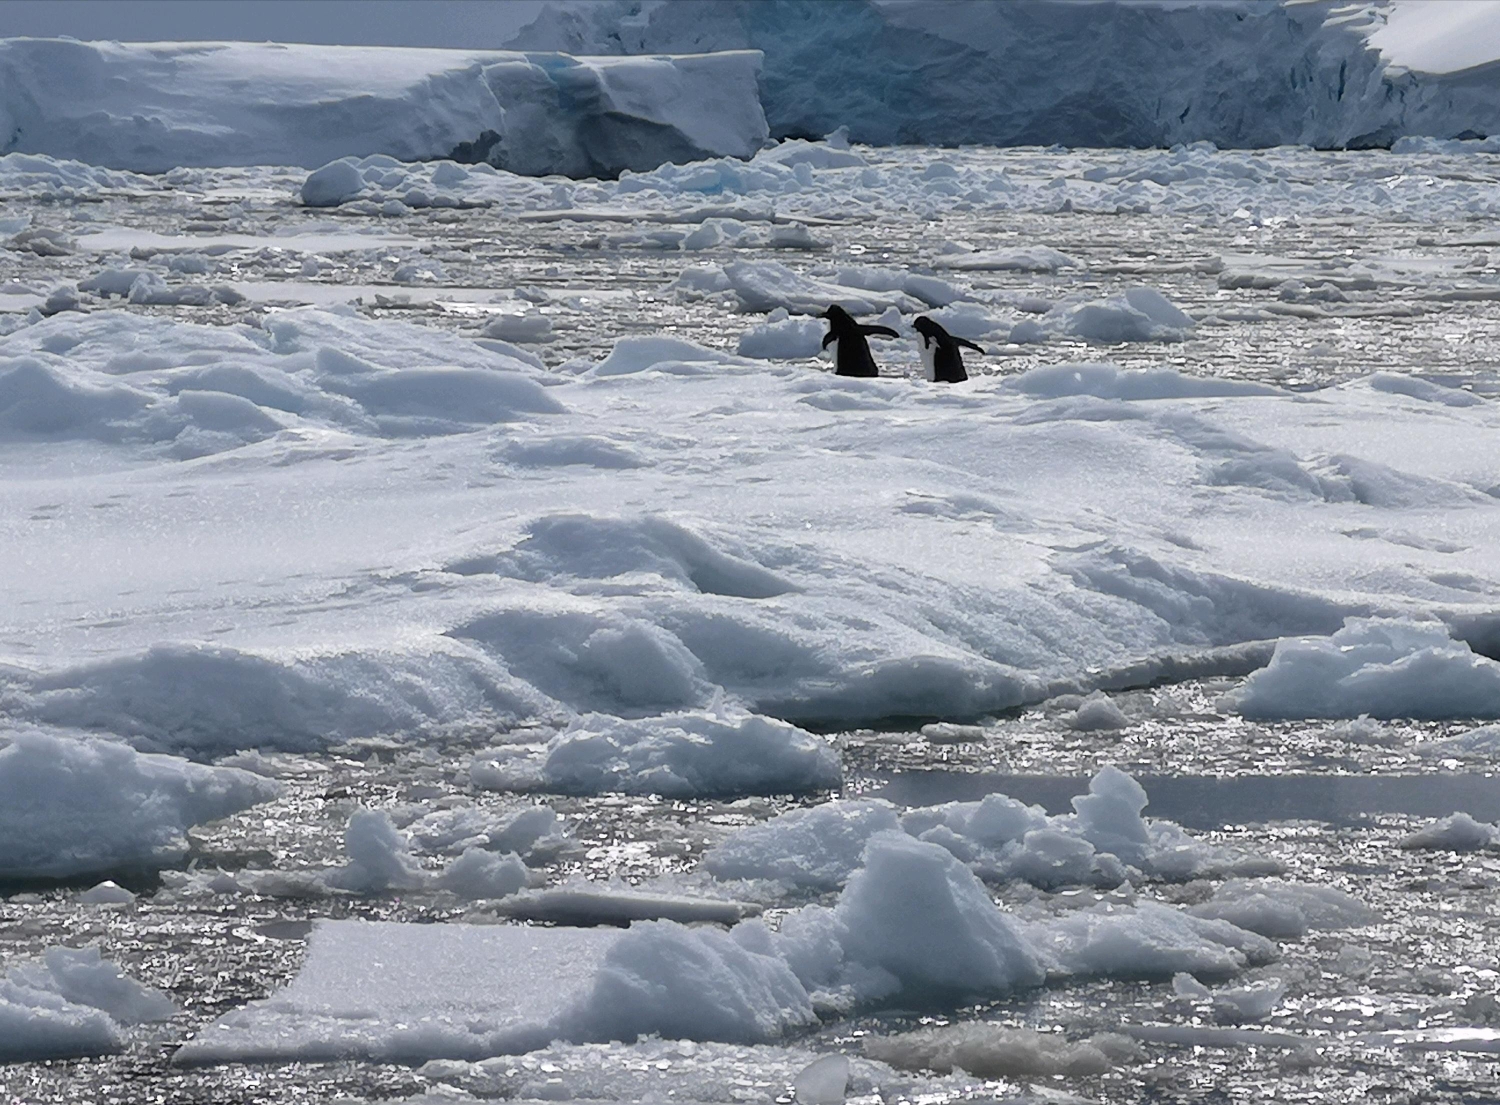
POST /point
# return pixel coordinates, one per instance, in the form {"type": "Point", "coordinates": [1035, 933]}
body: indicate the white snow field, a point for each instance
{"type": "Point", "coordinates": [1241, 73]}
{"type": "Point", "coordinates": [150, 107]}
{"type": "Point", "coordinates": [453, 623]}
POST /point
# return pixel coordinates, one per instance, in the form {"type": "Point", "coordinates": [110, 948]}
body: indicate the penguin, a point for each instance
{"type": "Point", "coordinates": [941, 361]}
{"type": "Point", "coordinates": [851, 353]}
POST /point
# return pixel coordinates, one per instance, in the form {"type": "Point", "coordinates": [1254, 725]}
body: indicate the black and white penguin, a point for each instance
{"type": "Point", "coordinates": [941, 361]}
{"type": "Point", "coordinates": [851, 353]}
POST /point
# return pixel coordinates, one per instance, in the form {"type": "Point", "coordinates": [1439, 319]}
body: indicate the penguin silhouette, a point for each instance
{"type": "Point", "coordinates": [941, 361]}
{"type": "Point", "coordinates": [851, 353]}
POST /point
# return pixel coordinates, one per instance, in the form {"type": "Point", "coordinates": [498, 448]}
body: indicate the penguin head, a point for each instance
{"type": "Point", "coordinates": [928, 329]}
{"type": "Point", "coordinates": [838, 318]}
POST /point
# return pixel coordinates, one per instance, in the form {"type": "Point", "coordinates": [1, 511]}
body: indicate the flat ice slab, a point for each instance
{"type": "Point", "coordinates": [393, 992]}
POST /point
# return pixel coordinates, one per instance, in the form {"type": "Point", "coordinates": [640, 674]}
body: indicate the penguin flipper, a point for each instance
{"type": "Point", "coordinates": [883, 330]}
{"type": "Point", "coordinates": [827, 338]}
{"type": "Point", "coordinates": [970, 345]}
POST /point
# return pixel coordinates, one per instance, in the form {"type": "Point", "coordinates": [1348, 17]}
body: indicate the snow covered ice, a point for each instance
{"type": "Point", "coordinates": [458, 637]}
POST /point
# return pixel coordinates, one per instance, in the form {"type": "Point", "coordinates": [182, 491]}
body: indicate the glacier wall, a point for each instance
{"type": "Point", "coordinates": [150, 107]}
{"type": "Point", "coordinates": [1239, 73]}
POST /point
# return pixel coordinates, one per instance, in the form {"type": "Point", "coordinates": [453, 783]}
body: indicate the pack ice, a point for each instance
{"type": "Point", "coordinates": [913, 925]}
{"type": "Point", "coordinates": [1039, 72]}
{"type": "Point", "coordinates": [184, 104]}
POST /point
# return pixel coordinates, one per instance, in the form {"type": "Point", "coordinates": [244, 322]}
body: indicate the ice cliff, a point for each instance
{"type": "Point", "coordinates": [150, 107]}
{"type": "Point", "coordinates": [1239, 73]}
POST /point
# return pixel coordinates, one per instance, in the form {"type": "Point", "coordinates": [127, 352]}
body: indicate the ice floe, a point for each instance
{"type": "Point", "coordinates": [474, 991]}
{"type": "Point", "coordinates": [1381, 667]}
{"type": "Point", "coordinates": [71, 1002]}
{"type": "Point", "coordinates": [72, 806]}
{"type": "Point", "coordinates": [1103, 843]}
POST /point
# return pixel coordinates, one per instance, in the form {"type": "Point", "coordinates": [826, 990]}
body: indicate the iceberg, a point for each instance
{"type": "Point", "coordinates": [1240, 74]}
{"type": "Point", "coordinates": [151, 107]}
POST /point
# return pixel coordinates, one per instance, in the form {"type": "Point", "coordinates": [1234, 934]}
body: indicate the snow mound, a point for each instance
{"type": "Point", "coordinates": [682, 755]}
{"type": "Point", "coordinates": [1384, 667]}
{"type": "Point", "coordinates": [212, 698]}
{"type": "Point", "coordinates": [1105, 381]}
{"type": "Point", "coordinates": [1037, 72]}
{"type": "Point", "coordinates": [663, 354]}
{"type": "Point", "coordinates": [783, 338]}
{"type": "Point", "coordinates": [1105, 842]}
{"type": "Point", "coordinates": [72, 807]}
{"type": "Point", "coordinates": [183, 104]}
{"type": "Point", "coordinates": [188, 390]}
{"type": "Point", "coordinates": [71, 1003]}
{"type": "Point", "coordinates": [1137, 314]}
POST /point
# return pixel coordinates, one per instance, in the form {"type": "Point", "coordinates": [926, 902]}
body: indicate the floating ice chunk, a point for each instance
{"type": "Point", "coordinates": [794, 236]}
{"type": "Point", "coordinates": [967, 320]}
{"type": "Point", "coordinates": [84, 977]}
{"type": "Point", "coordinates": [766, 285]}
{"type": "Point", "coordinates": [818, 847]}
{"type": "Point", "coordinates": [535, 833]}
{"type": "Point", "coordinates": [682, 755]}
{"type": "Point", "coordinates": [471, 991]}
{"type": "Point", "coordinates": [929, 289]}
{"type": "Point", "coordinates": [1098, 711]}
{"type": "Point", "coordinates": [995, 1051]}
{"type": "Point", "coordinates": [1458, 833]}
{"type": "Point", "coordinates": [1283, 910]}
{"type": "Point", "coordinates": [916, 913]}
{"type": "Point", "coordinates": [1150, 941]}
{"type": "Point", "coordinates": [1023, 259]}
{"type": "Point", "coordinates": [1383, 667]}
{"type": "Point", "coordinates": [442, 991]}
{"type": "Point", "coordinates": [590, 904]}
{"type": "Point", "coordinates": [1244, 1004]}
{"type": "Point", "coordinates": [1185, 985]}
{"type": "Point", "coordinates": [333, 184]}
{"type": "Point", "coordinates": [1482, 742]}
{"type": "Point", "coordinates": [107, 892]}
{"type": "Point", "coordinates": [820, 155]}
{"type": "Point", "coordinates": [529, 326]}
{"type": "Point", "coordinates": [481, 874]}
{"type": "Point", "coordinates": [109, 282]}
{"type": "Point", "coordinates": [44, 242]}
{"type": "Point", "coordinates": [823, 1081]}
{"type": "Point", "coordinates": [71, 1003]}
{"type": "Point", "coordinates": [380, 857]}
{"type": "Point", "coordinates": [1138, 314]}
{"type": "Point", "coordinates": [72, 807]}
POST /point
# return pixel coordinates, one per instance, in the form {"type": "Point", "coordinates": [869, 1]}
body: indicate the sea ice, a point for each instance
{"type": "Point", "coordinates": [1378, 666]}
{"type": "Point", "coordinates": [69, 1003]}
{"type": "Point", "coordinates": [681, 755]}
{"type": "Point", "coordinates": [71, 806]}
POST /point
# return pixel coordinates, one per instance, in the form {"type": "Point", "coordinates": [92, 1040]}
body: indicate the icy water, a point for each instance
{"type": "Point", "coordinates": [1402, 1010]}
